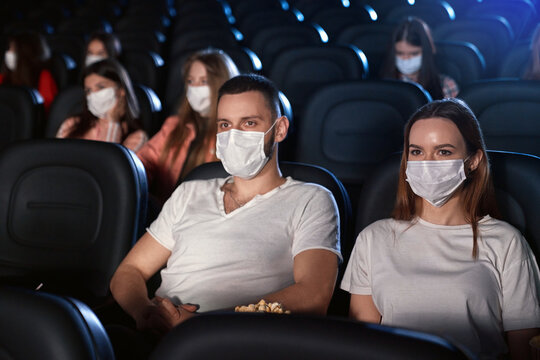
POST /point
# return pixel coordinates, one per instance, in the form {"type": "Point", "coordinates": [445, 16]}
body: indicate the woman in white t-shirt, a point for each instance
{"type": "Point", "coordinates": [442, 264]}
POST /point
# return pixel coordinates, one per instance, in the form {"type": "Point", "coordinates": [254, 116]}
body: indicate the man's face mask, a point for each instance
{"type": "Point", "coordinates": [242, 152]}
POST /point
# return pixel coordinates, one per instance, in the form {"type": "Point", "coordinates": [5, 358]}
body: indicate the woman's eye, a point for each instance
{"type": "Point", "coordinates": [445, 152]}
{"type": "Point", "coordinates": [414, 152]}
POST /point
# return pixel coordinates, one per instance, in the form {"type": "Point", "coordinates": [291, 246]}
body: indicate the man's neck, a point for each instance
{"type": "Point", "coordinates": [268, 179]}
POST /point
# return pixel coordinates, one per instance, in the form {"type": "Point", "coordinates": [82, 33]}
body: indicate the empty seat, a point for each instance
{"type": "Point", "coordinates": [145, 68]}
{"type": "Point", "coordinates": [520, 14]}
{"type": "Point", "coordinates": [492, 36]}
{"type": "Point", "coordinates": [257, 21]}
{"type": "Point", "coordinates": [207, 37]}
{"type": "Point", "coordinates": [309, 7]}
{"type": "Point", "coordinates": [349, 127]}
{"type": "Point", "coordinates": [508, 112]}
{"type": "Point", "coordinates": [63, 69]}
{"type": "Point", "coordinates": [515, 177]}
{"type": "Point", "coordinates": [269, 42]}
{"type": "Point", "coordinates": [334, 20]}
{"type": "Point", "coordinates": [432, 12]}
{"type": "Point", "coordinates": [300, 71]}
{"type": "Point", "coordinates": [141, 41]}
{"type": "Point", "coordinates": [515, 62]}
{"type": "Point", "coordinates": [70, 102]}
{"type": "Point", "coordinates": [374, 39]}
{"type": "Point", "coordinates": [267, 336]}
{"type": "Point", "coordinates": [37, 325]}
{"type": "Point", "coordinates": [460, 60]}
{"type": "Point", "coordinates": [71, 210]}
{"type": "Point", "coordinates": [21, 113]}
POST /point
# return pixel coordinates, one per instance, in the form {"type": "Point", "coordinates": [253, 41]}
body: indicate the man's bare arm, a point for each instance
{"type": "Point", "coordinates": [128, 284]}
{"type": "Point", "coordinates": [315, 273]}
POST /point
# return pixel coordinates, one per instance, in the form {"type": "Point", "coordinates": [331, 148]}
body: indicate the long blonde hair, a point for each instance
{"type": "Point", "coordinates": [219, 68]}
{"type": "Point", "coordinates": [477, 192]}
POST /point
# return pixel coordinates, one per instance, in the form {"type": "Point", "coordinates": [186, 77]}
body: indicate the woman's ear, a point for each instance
{"type": "Point", "coordinates": [474, 160]}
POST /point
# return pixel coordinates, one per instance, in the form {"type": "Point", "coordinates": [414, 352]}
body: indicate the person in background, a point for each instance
{"type": "Point", "coordinates": [110, 108]}
{"type": "Point", "coordinates": [187, 139]}
{"type": "Point", "coordinates": [444, 263]}
{"type": "Point", "coordinates": [412, 58]}
{"type": "Point", "coordinates": [100, 46]}
{"type": "Point", "coordinates": [532, 72]}
{"type": "Point", "coordinates": [25, 64]}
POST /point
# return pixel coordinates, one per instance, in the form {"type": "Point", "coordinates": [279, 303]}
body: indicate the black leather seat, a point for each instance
{"type": "Point", "coordinates": [37, 325]}
{"type": "Point", "coordinates": [300, 71]}
{"type": "Point", "coordinates": [515, 177]}
{"type": "Point", "coordinates": [272, 336]}
{"type": "Point", "coordinates": [515, 62]}
{"type": "Point", "coordinates": [507, 110]}
{"type": "Point", "coordinates": [350, 126]}
{"type": "Point", "coordinates": [71, 210]}
{"type": "Point", "coordinates": [21, 113]}
{"type": "Point", "coordinates": [145, 68]}
{"type": "Point", "coordinates": [70, 102]}
{"type": "Point", "coordinates": [433, 12]}
{"type": "Point", "coordinates": [460, 60]}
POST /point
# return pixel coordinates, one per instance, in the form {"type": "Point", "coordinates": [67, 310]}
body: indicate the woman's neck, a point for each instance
{"type": "Point", "coordinates": [451, 213]}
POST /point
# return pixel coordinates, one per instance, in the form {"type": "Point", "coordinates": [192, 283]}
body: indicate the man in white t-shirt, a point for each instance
{"type": "Point", "coordinates": [236, 240]}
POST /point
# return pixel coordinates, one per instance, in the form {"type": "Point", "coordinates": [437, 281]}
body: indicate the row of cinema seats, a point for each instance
{"type": "Point", "coordinates": [37, 325]}
{"type": "Point", "coordinates": [72, 209]}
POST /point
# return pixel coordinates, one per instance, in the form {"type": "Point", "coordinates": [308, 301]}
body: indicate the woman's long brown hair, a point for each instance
{"type": "Point", "coordinates": [219, 68]}
{"type": "Point", "coordinates": [477, 192]}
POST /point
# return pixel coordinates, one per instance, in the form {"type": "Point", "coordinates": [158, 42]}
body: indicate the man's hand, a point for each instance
{"type": "Point", "coordinates": [167, 315]}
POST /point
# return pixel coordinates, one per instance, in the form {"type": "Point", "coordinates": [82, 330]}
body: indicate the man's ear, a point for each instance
{"type": "Point", "coordinates": [282, 127]}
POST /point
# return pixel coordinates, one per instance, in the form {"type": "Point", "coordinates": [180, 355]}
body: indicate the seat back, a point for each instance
{"type": "Point", "coordinates": [508, 112]}
{"type": "Point", "coordinates": [460, 60]}
{"type": "Point", "coordinates": [300, 71]}
{"type": "Point", "coordinates": [432, 12]}
{"type": "Point", "coordinates": [37, 325]}
{"type": "Point", "coordinates": [351, 126]}
{"type": "Point", "coordinates": [334, 20]}
{"type": "Point", "coordinates": [21, 113]}
{"type": "Point", "coordinates": [515, 62]}
{"type": "Point", "coordinates": [70, 101]}
{"type": "Point", "coordinates": [71, 210]}
{"type": "Point", "coordinates": [272, 336]}
{"type": "Point", "coordinates": [144, 68]}
{"type": "Point", "coordinates": [492, 36]}
{"type": "Point", "coordinates": [63, 69]}
{"type": "Point", "coordinates": [515, 177]}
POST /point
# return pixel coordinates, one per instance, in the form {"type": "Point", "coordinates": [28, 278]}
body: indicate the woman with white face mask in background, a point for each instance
{"type": "Point", "coordinates": [188, 138]}
{"type": "Point", "coordinates": [100, 46]}
{"type": "Point", "coordinates": [444, 263]}
{"type": "Point", "coordinates": [411, 58]}
{"type": "Point", "coordinates": [111, 110]}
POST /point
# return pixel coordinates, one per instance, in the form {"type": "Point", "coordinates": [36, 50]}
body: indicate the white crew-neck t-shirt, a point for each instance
{"type": "Point", "coordinates": [222, 260]}
{"type": "Point", "coordinates": [422, 276]}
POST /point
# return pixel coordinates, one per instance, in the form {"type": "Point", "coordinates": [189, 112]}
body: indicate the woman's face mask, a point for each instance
{"type": "Point", "coordinates": [199, 99]}
{"type": "Point", "coordinates": [409, 66]}
{"type": "Point", "coordinates": [101, 102]}
{"type": "Point", "coordinates": [10, 58]}
{"type": "Point", "coordinates": [435, 181]}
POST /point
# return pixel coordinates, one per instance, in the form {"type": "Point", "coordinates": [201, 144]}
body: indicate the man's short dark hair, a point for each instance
{"type": "Point", "coordinates": [252, 82]}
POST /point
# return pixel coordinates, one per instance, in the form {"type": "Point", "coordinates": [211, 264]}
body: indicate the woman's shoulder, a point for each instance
{"type": "Point", "coordinates": [67, 126]}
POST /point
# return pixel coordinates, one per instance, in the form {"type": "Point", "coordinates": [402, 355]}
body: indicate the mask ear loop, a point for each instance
{"type": "Point", "coordinates": [267, 131]}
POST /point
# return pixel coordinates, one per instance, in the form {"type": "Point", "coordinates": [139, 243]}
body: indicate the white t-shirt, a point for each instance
{"type": "Point", "coordinates": [222, 260]}
{"type": "Point", "coordinates": [422, 276]}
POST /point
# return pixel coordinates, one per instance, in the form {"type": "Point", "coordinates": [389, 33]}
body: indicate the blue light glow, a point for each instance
{"type": "Point", "coordinates": [346, 3]}
{"type": "Point", "coordinates": [298, 14]}
{"type": "Point", "coordinates": [322, 33]}
{"type": "Point", "coordinates": [372, 13]}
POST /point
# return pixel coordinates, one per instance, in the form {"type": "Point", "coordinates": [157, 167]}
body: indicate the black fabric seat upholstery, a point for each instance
{"type": "Point", "coordinates": [508, 111]}
{"type": "Point", "coordinates": [71, 210]}
{"type": "Point", "coordinates": [21, 113]}
{"type": "Point", "coordinates": [515, 177]}
{"type": "Point", "coordinates": [272, 336]}
{"type": "Point", "coordinates": [37, 325]}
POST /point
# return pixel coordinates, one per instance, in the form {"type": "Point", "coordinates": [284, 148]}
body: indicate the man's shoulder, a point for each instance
{"type": "Point", "coordinates": [304, 187]}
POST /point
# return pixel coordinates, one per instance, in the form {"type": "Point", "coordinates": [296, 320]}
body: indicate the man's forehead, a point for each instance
{"type": "Point", "coordinates": [249, 103]}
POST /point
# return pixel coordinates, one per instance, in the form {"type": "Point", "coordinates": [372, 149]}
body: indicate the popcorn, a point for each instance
{"type": "Point", "coordinates": [263, 306]}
